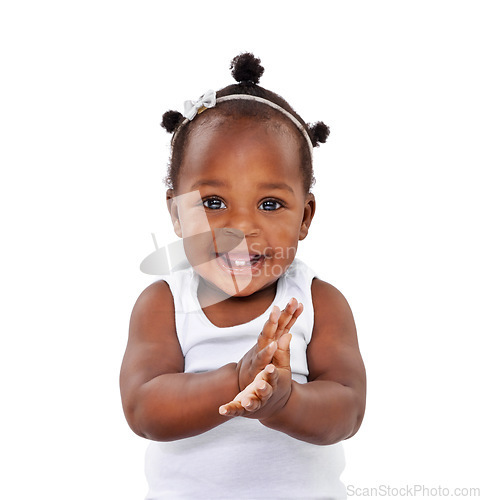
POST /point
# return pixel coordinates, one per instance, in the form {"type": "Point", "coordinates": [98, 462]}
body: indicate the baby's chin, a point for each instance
{"type": "Point", "coordinates": [225, 283]}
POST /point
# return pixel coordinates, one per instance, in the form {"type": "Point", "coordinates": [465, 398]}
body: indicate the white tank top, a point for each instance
{"type": "Point", "coordinates": [241, 458]}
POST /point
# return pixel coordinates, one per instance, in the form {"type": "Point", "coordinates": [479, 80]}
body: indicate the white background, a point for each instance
{"type": "Point", "coordinates": [83, 88]}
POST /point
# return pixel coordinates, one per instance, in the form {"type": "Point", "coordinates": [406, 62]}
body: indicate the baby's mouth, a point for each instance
{"type": "Point", "coordinates": [240, 262]}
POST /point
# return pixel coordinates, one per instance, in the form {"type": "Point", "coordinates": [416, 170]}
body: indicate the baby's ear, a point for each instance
{"type": "Point", "coordinates": [174, 212]}
{"type": "Point", "coordinates": [309, 210]}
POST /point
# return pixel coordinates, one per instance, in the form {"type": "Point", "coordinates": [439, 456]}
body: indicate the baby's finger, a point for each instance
{"type": "Point", "coordinates": [282, 356]}
{"type": "Point", "coordinates": [284, 342]}
{"type": "Point", "coordinates": [264, 356]}
{"type": "Point", "coordinates": [287, 314]}
{"type": "Point", "coordinates": [296, 314]}
{"type": "Point", "coordinates": [288, 317]}
{"type": "Point", "coordinates": [264, 391]}
{"type": "Point", "coordinates": [270, 327]}
{"type": "Point", "coordinates": [270, 374]}
{"type": "Point", "coordinates": [251, 403]}
{"type": "Point", "coordinates": [232, 409]}
{"type": "Point", "coordinates": [261, 392]}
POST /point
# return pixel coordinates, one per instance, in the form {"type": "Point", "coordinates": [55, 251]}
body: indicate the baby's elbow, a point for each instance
{"type": "Point", "coordinates": [132, 414]}
{"type": "Point", "coordinates": [146, 422]}
{"type": "Point", "coordinates": [149, 421]}
{"type": "Point", "coordinates": [348, 419]}
{"type": "Point", "coordinates": [358, 415]}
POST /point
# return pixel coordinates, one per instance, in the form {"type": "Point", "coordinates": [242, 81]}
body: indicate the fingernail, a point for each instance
{"type": "Point", "coordinates": [222, 411]}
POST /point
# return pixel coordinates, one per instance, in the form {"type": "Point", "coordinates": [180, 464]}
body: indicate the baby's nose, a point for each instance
{"type": "Point", "coordinates": [227, 238]}
{"type": "Point", "coordinates": [243, 221]}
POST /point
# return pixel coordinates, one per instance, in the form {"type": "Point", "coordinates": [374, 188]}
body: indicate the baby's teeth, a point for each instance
{"type": "Point", "coordinates": [239, 262]}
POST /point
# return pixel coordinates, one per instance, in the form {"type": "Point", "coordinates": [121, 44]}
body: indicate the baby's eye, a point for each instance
{"type": "Point", "coordinates": [270, 205]}
{"type": "Point", "coordinates": [213, 203]}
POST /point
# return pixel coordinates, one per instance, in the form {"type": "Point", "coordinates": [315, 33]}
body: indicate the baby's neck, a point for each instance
{"type": "Point", "coordinates": [224, 310]}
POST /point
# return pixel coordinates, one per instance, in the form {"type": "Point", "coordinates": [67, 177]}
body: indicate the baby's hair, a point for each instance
{"type": "Point", "coordinates": [247, 71]}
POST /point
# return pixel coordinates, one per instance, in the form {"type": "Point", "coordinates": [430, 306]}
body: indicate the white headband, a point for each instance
{"type": "Point", "coordinates": [209, 100]}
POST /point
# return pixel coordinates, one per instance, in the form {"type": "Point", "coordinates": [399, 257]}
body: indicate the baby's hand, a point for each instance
{"type": "Point", "coordinates": [268, 392]}
{"type": "Point", "coordinates": [257, 358]}
{"type": "Point", "coordinates": [254, 396]}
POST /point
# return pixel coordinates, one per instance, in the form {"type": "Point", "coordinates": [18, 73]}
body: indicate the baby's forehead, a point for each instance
{"type": "Point", "coordinates": [240, 154]}
{"type": "Point", "coordinates": [232, 111]}
{"type": "Point", "coordinates": [267, 119]}
{"type": "Point", "coordinates": [243, 132]}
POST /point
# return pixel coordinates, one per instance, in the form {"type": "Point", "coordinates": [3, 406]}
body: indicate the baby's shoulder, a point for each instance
{"type": "Point", "coordinates": [155, 304]}
{"type": "Point", "coordinates": [158, 292]}
{"type": "Point", "coordinates": [333, 353]}
{"type": "Point", "coordinates": [323, 289]}
{"type": "Point", "coordinates": [328, 301]}
{"type": "Point", "coordinates": [153, 348]}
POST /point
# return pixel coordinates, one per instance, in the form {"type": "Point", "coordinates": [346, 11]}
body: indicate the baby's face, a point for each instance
{"type": "Point", "coordinates": [244, 196]}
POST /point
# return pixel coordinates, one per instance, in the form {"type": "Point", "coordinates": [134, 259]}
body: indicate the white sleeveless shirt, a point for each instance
{"type": "Point", "coordinates": [242, 459]}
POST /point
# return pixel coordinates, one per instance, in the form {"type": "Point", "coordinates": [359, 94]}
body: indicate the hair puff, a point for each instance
{"type": "Point", "coordinates": [319, 132]}
{"type": "Point", "coordinates": [246, 68]}
{"type": "Point", "coordinates": [171, 120]}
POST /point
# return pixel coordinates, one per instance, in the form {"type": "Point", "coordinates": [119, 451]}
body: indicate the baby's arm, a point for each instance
{"type": "Point", "coordinates": [330, 407]}
{"type": "Point", "coordinates": [160, 401]}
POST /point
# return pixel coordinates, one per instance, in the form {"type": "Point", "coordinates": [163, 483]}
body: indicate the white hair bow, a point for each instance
{"type": "Point", "coordinates": [191, 108]}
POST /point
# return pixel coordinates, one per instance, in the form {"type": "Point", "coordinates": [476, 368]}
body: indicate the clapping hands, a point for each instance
{"type": "Point", "coordinates": [264, 373]}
